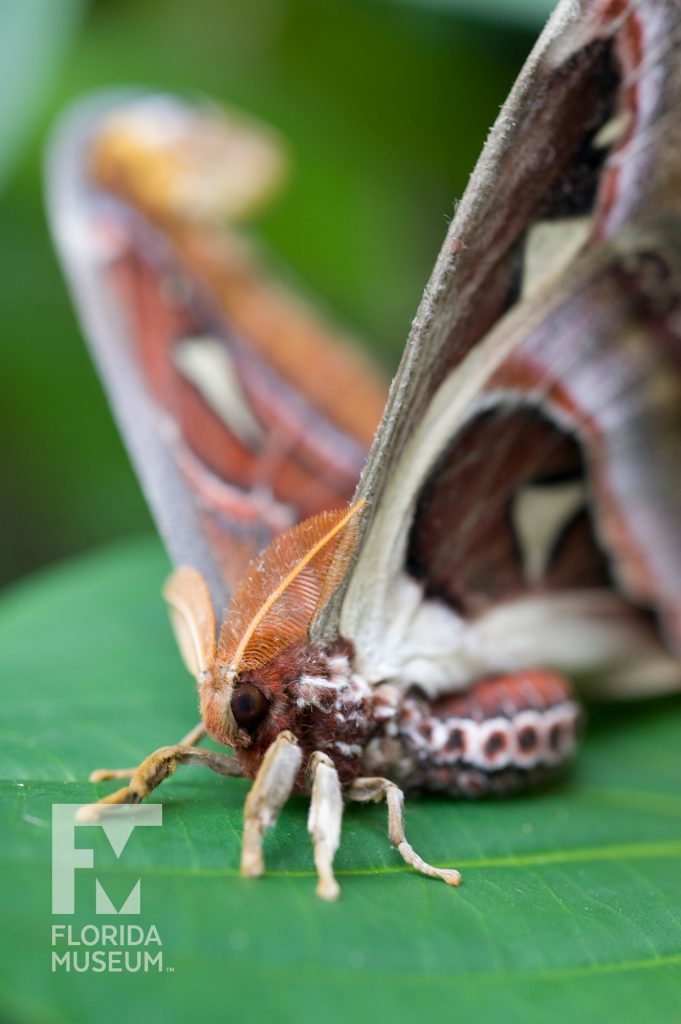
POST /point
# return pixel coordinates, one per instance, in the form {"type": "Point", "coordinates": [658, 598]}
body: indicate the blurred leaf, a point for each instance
{"type": "Point", "coordinates": [570, 909]}
{"type": "Point", "coordinates": [34, 35]}
{"type": "Point", "coordinates": [523, 12]}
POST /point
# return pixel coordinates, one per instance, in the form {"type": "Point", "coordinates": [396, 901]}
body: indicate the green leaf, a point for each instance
{"type": "Point", "coordinates": [570, 908]}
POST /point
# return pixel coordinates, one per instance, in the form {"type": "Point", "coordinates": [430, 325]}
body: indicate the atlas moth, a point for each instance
{"type": "Point", "coordinates": [408, 613]}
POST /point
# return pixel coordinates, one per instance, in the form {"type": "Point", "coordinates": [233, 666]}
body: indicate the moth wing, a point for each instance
{"type": "Point", "coordinates": [225, 386]}
{"type": "Point", "coordinates": [524, 488]}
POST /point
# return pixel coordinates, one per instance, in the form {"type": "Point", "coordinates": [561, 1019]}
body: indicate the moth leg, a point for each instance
{"type": "Point", "coordinates": [190, 740]}
{"type": "Point", "coordinates": [324, 822]}
{"type": "Point", "coordinates": [154, 769]}
{"type": "Point", "coordinates": [271, 789]}
{"type": "Point", "coordinates": [377, 789]}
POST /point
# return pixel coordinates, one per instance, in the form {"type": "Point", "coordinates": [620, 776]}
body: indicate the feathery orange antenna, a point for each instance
{"type": "Point", "coordinates": [285, 586]}
{"type": "Point", "coordinates": [192, 618]}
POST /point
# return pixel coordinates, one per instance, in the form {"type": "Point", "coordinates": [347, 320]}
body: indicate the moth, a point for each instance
{"type": "Point", "coordinates": [416, 612]}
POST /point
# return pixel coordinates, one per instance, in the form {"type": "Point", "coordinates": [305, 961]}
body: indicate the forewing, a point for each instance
{"type": "Point", "coordinates": [524, 489]}
{"type": "Point", "coordinates": [242, 412]}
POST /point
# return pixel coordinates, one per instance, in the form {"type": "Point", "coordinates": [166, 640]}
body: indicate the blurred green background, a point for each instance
{"type": "Point", "coordinates": [385, 106]}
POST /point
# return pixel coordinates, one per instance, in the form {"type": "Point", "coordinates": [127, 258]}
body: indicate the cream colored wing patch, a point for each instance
{"type": "Point", "coordinates": [540, 513]}
{"type": "Point", "coordinates": [206, 362]}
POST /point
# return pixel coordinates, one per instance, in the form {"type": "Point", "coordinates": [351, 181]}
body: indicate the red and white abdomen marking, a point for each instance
{"type": "Point", "coordinates": [501, 735]}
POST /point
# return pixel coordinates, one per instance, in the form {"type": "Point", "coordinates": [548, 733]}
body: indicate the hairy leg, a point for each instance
{"type": "Point", "coordinates": [271, 789]}
{"type": "Point", "coordinates": [193, 737]}
{"type": "Point", "coordinates": [377, 789]}
{"type": "Point", "coordinates": [157, 767]}
{"type": "Point", "coordinates": [324, 822]}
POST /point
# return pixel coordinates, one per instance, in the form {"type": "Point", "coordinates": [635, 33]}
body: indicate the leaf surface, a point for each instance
{"type": "Point", "coordinates": [570, 907]}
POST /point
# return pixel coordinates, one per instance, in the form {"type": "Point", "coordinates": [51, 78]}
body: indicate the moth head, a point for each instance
{"type": "Point", "coordinates": [248, 707]}
{"type": "Point", "coordinates": [310, 690]}
{"type": "Point", "coordinates": [248, 676]}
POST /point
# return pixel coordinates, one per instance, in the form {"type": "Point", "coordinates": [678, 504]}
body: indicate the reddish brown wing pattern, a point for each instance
{"type": "Point", "coordinates": [263, 413]}
{"type": "Point", "coordinates": [601, 370]}
{"type": "Point", "coordinates": [558, 292]}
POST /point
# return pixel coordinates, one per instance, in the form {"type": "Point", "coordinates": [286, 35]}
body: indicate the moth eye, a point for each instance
{"type": "Point", "coordinates": [249, 706]}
